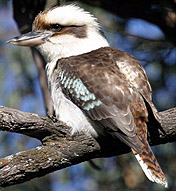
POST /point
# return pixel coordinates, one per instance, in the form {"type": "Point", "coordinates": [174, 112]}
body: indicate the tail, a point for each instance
{"type": "Point", "coordinates": [146, 157]}
{"type": "Point", "coordinates": [150, 165]}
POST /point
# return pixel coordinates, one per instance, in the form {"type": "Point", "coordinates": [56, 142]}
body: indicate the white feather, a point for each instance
{"type": "Point", "coordinates": [66, 45]}
{"type": "Point", "coordinates": [149, 173]}
{"type": "Point", "coordinates": [66, 110]}
{"type": "Point", "coordinates": [71, 15]}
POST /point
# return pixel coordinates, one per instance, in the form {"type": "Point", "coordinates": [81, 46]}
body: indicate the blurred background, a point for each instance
{"type": "Point", "coordinates": [145, 29]}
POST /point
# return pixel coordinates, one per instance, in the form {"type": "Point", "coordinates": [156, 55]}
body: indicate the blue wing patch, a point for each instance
{"type": "Point", "coordinates": [79, 91]}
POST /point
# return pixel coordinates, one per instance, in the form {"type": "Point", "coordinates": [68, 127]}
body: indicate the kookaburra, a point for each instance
{"type": "Point", "coordinates": [94, 88]}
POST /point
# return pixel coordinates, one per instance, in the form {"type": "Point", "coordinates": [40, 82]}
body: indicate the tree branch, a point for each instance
{"type": "Point", "coordinates": [60, 149]}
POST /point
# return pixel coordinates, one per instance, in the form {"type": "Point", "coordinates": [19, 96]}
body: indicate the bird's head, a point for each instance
{"type": "Point", "coordinates": [63, 31]}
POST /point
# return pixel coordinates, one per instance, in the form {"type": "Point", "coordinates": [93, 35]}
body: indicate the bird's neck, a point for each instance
{"type": "Point", "coordinates": [67, 46]}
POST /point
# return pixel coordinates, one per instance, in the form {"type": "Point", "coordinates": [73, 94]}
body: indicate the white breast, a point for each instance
{"type": "Point", "coordinates": [67, 111]}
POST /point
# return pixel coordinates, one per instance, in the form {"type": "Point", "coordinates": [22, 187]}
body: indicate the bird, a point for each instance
{"type": "Point", "coordinates": [96, 89]}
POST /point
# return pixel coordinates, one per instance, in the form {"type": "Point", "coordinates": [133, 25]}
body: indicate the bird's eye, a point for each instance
{"type": "Point", "coordinates": [56, 27]}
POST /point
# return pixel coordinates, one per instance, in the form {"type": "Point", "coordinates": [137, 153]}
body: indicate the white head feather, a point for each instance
{"type": "Point", "coordinates": [69, 15]}
{"type": "Point", "coordinates": [65, 45]}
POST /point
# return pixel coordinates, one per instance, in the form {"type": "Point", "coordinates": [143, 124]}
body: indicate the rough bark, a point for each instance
{"type": "Point", "coordinates": [60, 149]}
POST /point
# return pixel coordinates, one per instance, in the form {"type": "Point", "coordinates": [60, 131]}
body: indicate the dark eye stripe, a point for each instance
{"type": "Point", "coordinates": [76, 30]}
{"type": "Point", "coordinates": [57, 27]}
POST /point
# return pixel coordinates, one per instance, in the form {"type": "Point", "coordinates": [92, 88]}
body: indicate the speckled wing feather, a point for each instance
{"type": "Point", "coordinates": [102, 91]}
{"type": "Point", "coordinates": [136, 76]}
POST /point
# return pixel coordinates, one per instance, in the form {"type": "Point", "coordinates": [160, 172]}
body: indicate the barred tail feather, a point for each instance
{"type": "Point", "coordinates": [150, 166]}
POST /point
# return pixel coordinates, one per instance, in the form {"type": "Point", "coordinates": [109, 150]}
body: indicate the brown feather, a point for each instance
{"type": "Point", "coordinates": [140, 114]}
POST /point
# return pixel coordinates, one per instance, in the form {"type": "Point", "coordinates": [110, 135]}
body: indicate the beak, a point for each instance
{"type": "Point", "coordinates": [30, 39]}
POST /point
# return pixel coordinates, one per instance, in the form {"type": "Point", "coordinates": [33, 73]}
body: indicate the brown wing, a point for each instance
{"type": "Point", "coordinates": [110, 87]}
{"type": "Point", "coordinates": [102, 91]}
{"type": "Point", "coordinates": [136, 76]}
